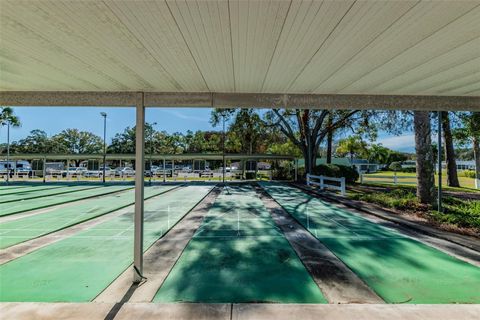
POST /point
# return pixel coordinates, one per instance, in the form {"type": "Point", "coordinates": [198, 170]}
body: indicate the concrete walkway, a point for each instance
{"type": "Point", "coordinates": [146, 311]}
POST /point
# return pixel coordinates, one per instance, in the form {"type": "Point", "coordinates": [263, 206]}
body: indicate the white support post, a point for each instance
{"type": "Point", "coordinates": [477, 183]}
{"type": "Point", "coordinates": [139, 188]}
{"type": "Point", "coordinates": [173, 170]}
{"type": "Point", "coordinates": [322, 183]}
{"type": "Point", "coordinates": [395, 180]}
{"type": "Point", "coordinates": [343, 186]}
{"type": "Point", "coordinates": [308, 179]}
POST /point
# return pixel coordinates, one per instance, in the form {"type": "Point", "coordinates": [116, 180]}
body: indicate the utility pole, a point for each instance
{"type": "Point", "coordinates": [104, 115]}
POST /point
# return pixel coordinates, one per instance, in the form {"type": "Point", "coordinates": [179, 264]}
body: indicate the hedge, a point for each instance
{"type": "Point", "coordinates": [337, 171]}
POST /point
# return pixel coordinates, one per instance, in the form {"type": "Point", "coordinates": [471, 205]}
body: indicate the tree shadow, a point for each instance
{"type": "Point", "coordinates": [399, 268]}
{"type": "Point", "coordinates": [239, 255]}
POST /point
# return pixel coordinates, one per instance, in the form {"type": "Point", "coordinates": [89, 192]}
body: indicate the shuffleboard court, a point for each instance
{"type": "Point", "coordinates": [34, 194]}
{"type": "Point", "coordinates": [398, 268]}
{"type": "Point", "coordinates": [26, 189]}
{"type": "Point", "coordinates": [239, 255]}
{"type": "Point", "coordinates": [17, 231]}
{"type": "Point", "coordinates": [11, 186]}
{"type": "Point", "coordinates": [80, 267]}
{"type": "Point", "coordinates": [33, 204]}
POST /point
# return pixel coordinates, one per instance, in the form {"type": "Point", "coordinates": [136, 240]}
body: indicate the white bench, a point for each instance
{"type": "Point", "coordinates": [320, 182]}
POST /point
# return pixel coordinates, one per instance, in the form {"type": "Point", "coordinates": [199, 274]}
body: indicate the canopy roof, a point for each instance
{"type": "Point", "coordinates": [314, 47]}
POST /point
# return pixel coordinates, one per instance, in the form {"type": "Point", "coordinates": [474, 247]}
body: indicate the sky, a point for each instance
{"type": "Point", "coordinates": [53, 120]}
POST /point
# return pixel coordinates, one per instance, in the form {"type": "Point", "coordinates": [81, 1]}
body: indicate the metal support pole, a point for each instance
{"type": "Point", "coordinates": [44, 169]}
{"type": "Point", "coordinates": [164, 175]}
{"type": "Point", "coordinates": [104, 115]}
{"type": "Point", "coordinates": [8, 151]}
{"type": "Point", "coordinates": [296, 170]}
{"type": "Point", "coordinates": [66, 175]}
{"type": "Point", "coordinates": [223, 150]}
{"type": "Point", "coordinates": [139, 188]}
{"type": "Point", "coordinates": [439, 162]}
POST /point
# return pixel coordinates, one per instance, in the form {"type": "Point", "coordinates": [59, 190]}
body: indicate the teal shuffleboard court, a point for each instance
{"type": "Point", "coordinates": [80, 267]}
{"type": "Point", "coordinates": [17, 231]}
{"type": "Point", "coordinates": [25, 189]}
{"type": "Point", "coordinates": [15, 186]}
{"type": "Point", "coordinates": [398, 268]}
{"type": "Point", "coordinates": [39, 203]}
{"type": "Point", "coordinates": [239, 255]}
{"type": "Point", "coordinates": [19, 196]}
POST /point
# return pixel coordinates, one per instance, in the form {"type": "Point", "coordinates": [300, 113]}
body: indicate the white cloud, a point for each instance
{"type": "Point", "coordinates": [400, 143]}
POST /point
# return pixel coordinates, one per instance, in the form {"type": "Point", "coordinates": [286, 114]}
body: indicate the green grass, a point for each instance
{"type": "Point", "coordinates": [406, 178]}
{"type": "Point", "coordinates": [457, 212]}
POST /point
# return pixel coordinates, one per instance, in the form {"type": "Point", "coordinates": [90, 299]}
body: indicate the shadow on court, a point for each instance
{"type": "Point", "coordinates": [239, 255]}
{"type": "Point", "coordinates": [398, 268]}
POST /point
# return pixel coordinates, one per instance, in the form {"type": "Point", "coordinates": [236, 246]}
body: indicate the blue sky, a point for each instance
{"type": "Point", "coordinates": [55, 119]}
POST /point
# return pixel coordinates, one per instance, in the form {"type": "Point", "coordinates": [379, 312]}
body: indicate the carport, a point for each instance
{"type": "Point", "coordinates": [422, 55]}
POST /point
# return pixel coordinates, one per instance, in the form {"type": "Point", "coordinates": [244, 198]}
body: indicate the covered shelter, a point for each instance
{"type": "Point", "coordinates": [422, 55]}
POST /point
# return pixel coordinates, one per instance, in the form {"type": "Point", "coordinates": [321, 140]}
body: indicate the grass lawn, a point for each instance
{"type": "Point", "coordinates": [404, 178]}
{"type": "Point", "coordinates": [458, 213]}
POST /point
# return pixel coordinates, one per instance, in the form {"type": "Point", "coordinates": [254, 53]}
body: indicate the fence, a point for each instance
{"type": "Point", "coordinates": [311, 180]}
{"type": "Point", "coordinates": [387, 179]}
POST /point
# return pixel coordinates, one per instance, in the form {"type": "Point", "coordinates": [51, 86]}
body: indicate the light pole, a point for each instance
{"type": "Point", "coordinates": [151, 153]}
{"type": "Point", "coordinates": [104, 115]}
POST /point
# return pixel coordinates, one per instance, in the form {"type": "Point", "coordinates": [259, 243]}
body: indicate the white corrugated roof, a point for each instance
{"type": "Point", "coordinates": [344, 47]}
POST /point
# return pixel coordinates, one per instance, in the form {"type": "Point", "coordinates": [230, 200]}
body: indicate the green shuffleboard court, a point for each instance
{"type": "Point", "coordinates": [238, 255]}
{"type": "Point", "coordinates": [39, 203]}
{"type": "Point", "coordinates": [398, 268]}
{"type": "Point", "coordinates": [10, 186]}
{"type": "Point", "coordinates": [7, 191]}
{"type": "Point", "coordinates": [16, 231]}
{"type": "Point", "coordinates": [34, 194]}
{"type": "Point", "coordinates": [78, 268]}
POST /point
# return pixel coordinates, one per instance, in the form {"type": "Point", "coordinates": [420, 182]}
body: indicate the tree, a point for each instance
{"type": "Point", "coordinates": [377, 153]}
{"type": "Point", "coordinates": [74, 141]}
{"type": "Point", "coordinates": [469, 133]}
{"type": "Point", "coordinates": [37, 142]}
{"type": "Point", "coordinates": [452, 176]}
{"type": "Point", "coordinates": [424, 154]}
{"type": "Point", "coordinates": [352, 146]}
{"type": "Point", "coordinates": [245, 125]}
{"type": "Point", "coordinates": [7, 117]}
{"type": "Point", "coordinates": [307, 129]}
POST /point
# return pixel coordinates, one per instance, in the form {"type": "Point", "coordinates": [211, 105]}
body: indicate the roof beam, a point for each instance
{"type": "Point", "coordinates": [242, 100]}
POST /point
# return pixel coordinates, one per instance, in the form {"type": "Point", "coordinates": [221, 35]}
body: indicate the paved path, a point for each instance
{"type": "Point", "coordinates": [180, 311]}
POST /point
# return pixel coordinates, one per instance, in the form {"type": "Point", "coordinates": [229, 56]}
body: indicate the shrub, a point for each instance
{"type": "Point", "coordinates": [469, 174]}
{"type": "Point", "coordinates": [250, 175]}
{"type": "Point", "coordinates": [409, 170]}
{"type": "Point", "coordinates": [395, 166]}
{"type": "Point", "coordinates": [337, 171]}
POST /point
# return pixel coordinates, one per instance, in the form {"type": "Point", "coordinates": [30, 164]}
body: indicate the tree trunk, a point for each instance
{"type": "Point", "coordinates": [476, 154]}
{"type": "Point", "coordinates": [452, 177]}
{"type": "Point", "coordinates": [424, 153]}
{"type": "Point", "coordinates": [329, 140]}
